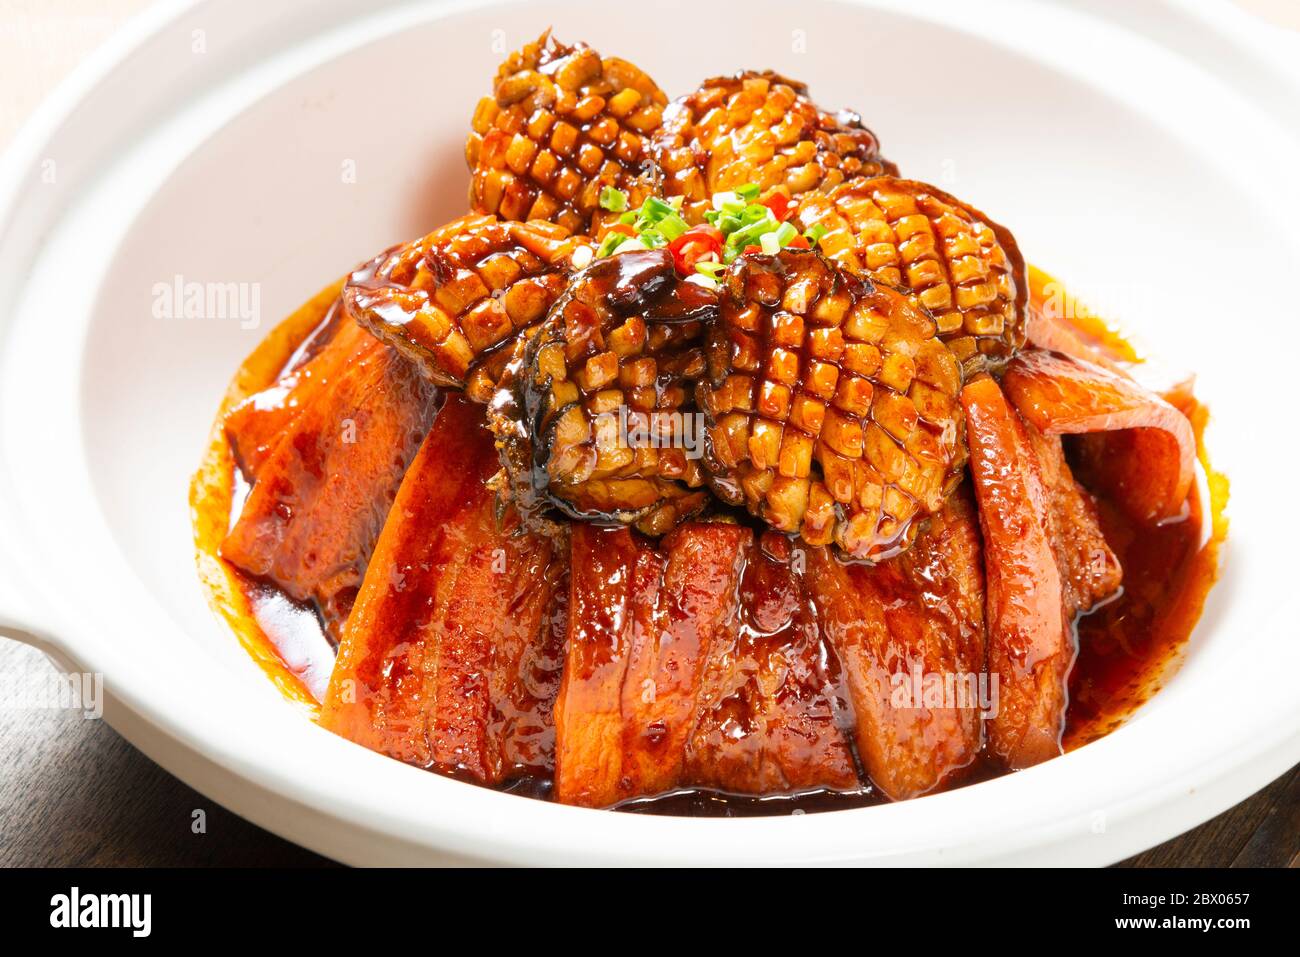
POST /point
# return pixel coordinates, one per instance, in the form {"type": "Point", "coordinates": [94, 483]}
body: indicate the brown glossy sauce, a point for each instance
{"type": "Point", "coordinates": [1131, 644]}
{"type": "Point", "coordinates": [1126, 647]}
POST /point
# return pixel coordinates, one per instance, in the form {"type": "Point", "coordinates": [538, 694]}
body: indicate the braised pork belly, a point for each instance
{"type": "Point", "coordinates": [450, 658]}
{"type": "Point", "coordinates": [321, 495]}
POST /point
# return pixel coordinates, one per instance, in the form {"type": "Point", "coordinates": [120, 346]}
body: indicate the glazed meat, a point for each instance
{"type": "Point", "coordinates": [561, 124]}
{"type": "Point", "coordinates": [1046, 560]}
{"type": "Point", "coordinates": [963, 267]}
{"type": "Point", "coordinates": [909, 634]}
{"type": "Point", "coordinates": [588, 412]}
{"type": "Point", "coordinates": [255, 426]}
{"type": "Point", "coordinates": [312, 518]}
{"type": "Point", "coordinates": [1090, 571]}
{"type": "Point", "coordinates": [697, 663]}
{"type": "Point", "coordinates": [1030, 647]}
{"type": "Point", "coordinates": [758, 128]}
{"type": "Point", "coordinates": [640, 631]}
{"type": "Point", "coordinates": [772, 716]}
{"type": "Point", "coordinates": [831, 406]}
{"type": "Point", "coordinates": [451, 658]}
{"type": "Point", "coordinates": [1136, 446]}
{"type": "Point", "coordinates": [454, 300]}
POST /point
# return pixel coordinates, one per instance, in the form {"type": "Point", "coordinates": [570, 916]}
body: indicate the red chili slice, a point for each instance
{"type": "Point", "coordinates": [780, 205]}
{"type": "Point", "coordinates": [693, 245]}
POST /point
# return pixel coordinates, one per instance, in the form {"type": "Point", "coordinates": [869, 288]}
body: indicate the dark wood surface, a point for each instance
{"type": "Point", "coordinates": [73, 792]}
{"type": "Point", "coordinates": [1261, 831]}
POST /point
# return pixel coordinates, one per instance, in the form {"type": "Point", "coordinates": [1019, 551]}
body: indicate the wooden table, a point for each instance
{"type": "Point", "coordinates": [73, 792]}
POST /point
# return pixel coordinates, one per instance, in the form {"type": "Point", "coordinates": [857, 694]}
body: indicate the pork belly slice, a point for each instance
{"type": "Point", "coordinates": [451, 658]}
{"type": "Point", "coordinates": [642, 622]}
{"type": "Point", "coordinates": [607, 569]}
{"type": "Point", "coordinates": [683, 671]}
{"type": "Point", "coordinates": [255, 426]}
{"type": "Point", "coordinates": [1142, 450]}
{"type": "Point", "coordinates": [677, 620]}
{"type": "Point", "coordinates": [321, 497]}
{"type": "Point", "coordinates": [1046, 560]}
{"type": "Point", "coordinates": [771, 716]}
{"type": "Point", "coordinates": [1030, 648]}
{"type": "Point", "coordinates": [1090, 570]}
{"type": "Point", "coordinates": [909, 634]}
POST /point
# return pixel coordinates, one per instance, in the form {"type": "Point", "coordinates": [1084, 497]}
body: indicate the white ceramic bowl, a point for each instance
{"type": "Point", "coordinates": [1150, 164]}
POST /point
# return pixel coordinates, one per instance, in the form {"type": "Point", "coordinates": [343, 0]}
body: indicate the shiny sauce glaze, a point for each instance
{"type": "Point", "coordinates": [1126, 647]}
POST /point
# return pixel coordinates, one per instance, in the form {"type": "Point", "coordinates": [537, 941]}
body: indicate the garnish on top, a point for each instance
{"type": "Point", "coordinates": [738, 222]}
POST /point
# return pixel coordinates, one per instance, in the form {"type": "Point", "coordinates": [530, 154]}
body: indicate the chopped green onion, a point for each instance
{"type": "Point", "coordinates": [749, 234]}
{"type": "Point", "coordinates": [614, 200]}
{"type": "Point", "coordinates": [609, 244]}
{"type": "Point", "coordinates": [655, 209]}
{"type": "Point", "coordinates": [699, 279]}
{"type": "Point", "coordinates": [728, 224]}
{"type": "Point", "coordinates": [744, 234]}
{"type": "Point", "coordinates": [672, 226]}
{"type": "Point", "coordinates": [742, 222]}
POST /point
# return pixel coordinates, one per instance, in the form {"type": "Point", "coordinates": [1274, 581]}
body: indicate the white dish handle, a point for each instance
{"type": "Point", "coordinates": [18, 624]}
